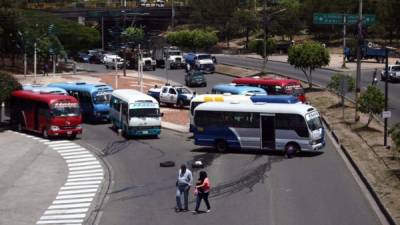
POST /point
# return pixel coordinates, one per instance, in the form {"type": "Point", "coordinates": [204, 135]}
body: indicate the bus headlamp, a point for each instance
{"type": "Point", "coordinates": [54, 128]}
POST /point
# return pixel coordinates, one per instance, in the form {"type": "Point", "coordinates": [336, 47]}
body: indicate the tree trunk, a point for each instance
{"type": "Point", "coordinates": [247, 37]}
{"type": "Point", "coordinates": [310, 84]}
{"type": "Point", "coordinates": [369, 119]}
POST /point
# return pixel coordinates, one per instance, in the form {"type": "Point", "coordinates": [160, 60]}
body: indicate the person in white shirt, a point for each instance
{"type": "Point", "coordinates": [183, 184]}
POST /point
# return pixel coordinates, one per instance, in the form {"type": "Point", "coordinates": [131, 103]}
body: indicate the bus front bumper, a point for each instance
{"type": "Point", "coordinates": [65, 132]}
{"type": "Point", "coordinates": [143, 131]}
{"type": "Point", "coordinates": [318, 146]}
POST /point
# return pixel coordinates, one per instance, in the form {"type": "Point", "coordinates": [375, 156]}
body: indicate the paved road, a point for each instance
{"type": "Point", "coordinates": [320, 77]}
{"type": "Point", "coordinates": [248, 188]}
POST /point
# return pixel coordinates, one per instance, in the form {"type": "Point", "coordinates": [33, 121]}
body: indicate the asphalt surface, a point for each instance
{"type": "Point", "coordinates": [247, 188]}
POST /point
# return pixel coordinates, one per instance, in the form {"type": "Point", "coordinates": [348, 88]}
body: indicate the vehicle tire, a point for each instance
{"type": "Point", "coordinates": [204, 85]}
{"type": "Point", "coordinates": [154, 68]}
{"type": "Point", "coordinates": [180, 104]}
{"type": "Point", "coordinates": [45, 134]}
{"type": "Point", "coordinates": [107, 67]}
{"type": "Point", "coordinates": [291, 149]}
{"type": "Point", "coordinates": [221, 146]}
{"type": "Point", "coordinates": [167, 164]}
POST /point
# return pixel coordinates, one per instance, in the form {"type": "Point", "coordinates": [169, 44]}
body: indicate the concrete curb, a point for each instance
{"type": "Point", "coordinates": [359, 173]}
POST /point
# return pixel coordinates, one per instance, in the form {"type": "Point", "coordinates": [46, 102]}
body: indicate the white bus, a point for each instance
{"type": "Point", "coordinates": [266, 126]}
{"type": "Point", "coordinates": [227, 97]}
{"type": "Point", "coordinates": [135, 113]}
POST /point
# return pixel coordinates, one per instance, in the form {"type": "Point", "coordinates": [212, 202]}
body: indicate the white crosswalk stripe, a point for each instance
{"type": "Point", "coordinates": [84, 179]}
{"type": "Point", "coordinates": [81, 152]}
{"type": "Point", "coordinates": [77, 156]}
{"type": "Point", "coordinates": [83, 164]}
{"type": "Point", "coordinates": [86, 171]}
{"type": "Point", "coordinates": [59, 221]}
{"type": "Point", "coordinates": [69, 206]}
{"type": "Point", "coordinates": [79, 187]}
{"type": "Point", "coordinates": [68, 201]}
{"type": "Point", "coordinates": [66, 211]}
{"type": "Point", "coordinates": [83, 183]}
{"type": "Point", "coordinates": [66, 147]}
{"type": "Point", "coordinates": [75, 196]}
{"type": "Point", "coordinates": [84, 167]}
{"type": "Point", "coordinates": [96, 174]}
{"type": "Point", "coordinates": [71, 150]}
{"type": "Point", "coordinates": [78, 191]}
{"type": "Point", "coordinates": [81, 160]}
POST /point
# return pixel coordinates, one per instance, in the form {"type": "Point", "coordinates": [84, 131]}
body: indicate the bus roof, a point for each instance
{"type": "Point", "coordinates": [220, 98]}
{"type": "Point", "coordinates": [288, 99]}
{"type": "Point", "coordinates": [44, 90]}
{"type": "Point", "coordinates": [40, 97]}
{"type": "Point", "coordinates": [82, 86]}
{"type": "Point", "coordinates": [132, 96]}
{"type": "Point", "coordinates": [265, 81]}
{"type": "Point", "coordinates": [301, 109]}
{"type": "Point", "coordinates": [238, 89]}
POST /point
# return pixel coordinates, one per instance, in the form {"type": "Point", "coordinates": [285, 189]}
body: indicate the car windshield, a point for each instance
{"type": "Point", "coordinates": [65, 109]}
{"type": "Point", "coordinates": [197, 74]}
{"type": "Point", "coordinates": [313, 121]}
{"type": "Point", "coordinates": [204, 57]}
{"type": "Point", "coordinates": [101, 97]}
{"type": "Point", "coordinates": [174, 53]}
{"type": "Point", "coordinates": [144, 112]}
{"type": "Point", "coordinates": [183, 91]}
{"type": "Point", "coordinates": [396, 68]}
{"type": "Point", "coordinates": [294, 90]}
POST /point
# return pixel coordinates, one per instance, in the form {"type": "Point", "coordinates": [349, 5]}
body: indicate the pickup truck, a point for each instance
{"type": "Point", "coordinates": [172, 95]}
{"type": "Point", "coordinates": [393, 73]}
{"type": "Point", "coordinates": [200, 61]}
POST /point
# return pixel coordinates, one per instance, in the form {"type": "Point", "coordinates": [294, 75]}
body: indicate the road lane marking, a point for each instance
{"type": "Point", "coordinates": [84, 167]}
{"type": "Point", "coordinates": [68, 201]}
{"type": "Point", "coordinates": [95, 174]}
{"type": "Point", "coordinates": [69, 206]}
{"type": "Point", "coordinates": [72, 150]}
{"type": "Point", "coordinates": [86, 171]}
{"type": "Point", "coordinates": [83, 179]}
{"type": "Point", "coordinates": [80, 152]}
{"type": "Point", "coordinates": [77, 156]}
{"type": "Point", "coordinates": [66, 147]}
{"type": "Point", "coordinates": [81, 160]}
{"type": "Point", "coordinates": [66, 211]}
{"type": "Point", "coordinates": [79, 187]}
{"type": "Point", "coordinates": [75, 196]}
{"type": "Point", "coordinates": [82, 183]}
{"type": "Point", "coordinates": [59, 221]}
{"type": "Point", "coordinates": [78, 191]}
{"type": "Point", "coordinates": [83, 164]}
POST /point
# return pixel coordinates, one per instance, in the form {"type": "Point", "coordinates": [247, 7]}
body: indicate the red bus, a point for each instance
{"type": "Point", "coordinates": [275, 86]}
{"type": "Point", "coordinates": [48, 114]}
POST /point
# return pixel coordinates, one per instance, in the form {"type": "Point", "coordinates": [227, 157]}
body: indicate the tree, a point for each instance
{"type": "Point", "coordinates": [341, 83]}
{"type": "Point", "coordinates": [257, 45]}
{"type": "Point", "coordinates": [133, 34]}
{"type": "Point", "coordinates": [246, 21]}
{"type": "Point", "coordinates": [8, 84]}
{"type": "Point", "coordinates": [195, 39]}
{"type": "Point", "coordinates": [308, 57]}
{"type": "Point", "coordinates": [289, 22]}
{"type": "Point", "coordinates": [371, 101]}
{"type": "Point", "coordinates": [395, 135]}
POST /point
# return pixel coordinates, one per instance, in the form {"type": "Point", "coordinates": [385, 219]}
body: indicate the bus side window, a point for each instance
{"type": "Point", "coordinates": [292, 122]}
{"type": "Point", "coordinates": [115, 104]}
{"type": "Point", "coordinates": [84, 97]}
{"type": "Point", "coordinates": [125, 111]}
{"type": "Point", "coordinates": [44, 110]}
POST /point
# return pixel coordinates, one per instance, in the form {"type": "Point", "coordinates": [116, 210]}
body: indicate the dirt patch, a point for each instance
{"type": "Point", "coordinates": [365, 145]}
{"type": "Point", "coordinates": [176, 116]}
{"type": "Point", "coordinates": [234, 71]}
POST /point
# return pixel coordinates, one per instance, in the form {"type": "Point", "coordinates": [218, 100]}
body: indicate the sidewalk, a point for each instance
{"type": "Point", "coordinates": [30, 177]}
{"type": "Point", "coordinates": [335, 62]}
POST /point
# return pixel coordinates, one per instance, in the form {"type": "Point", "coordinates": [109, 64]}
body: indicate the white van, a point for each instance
{"type": "Point", "coordinates": [110, 61]}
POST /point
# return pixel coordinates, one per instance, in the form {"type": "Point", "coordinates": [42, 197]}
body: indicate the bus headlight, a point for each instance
{"type": "Point", "coordinates": [313, 142]}
{"type": "Point", "coordinates": [54, 128]}
{"type": "Point", "coordinates": [79, 127]}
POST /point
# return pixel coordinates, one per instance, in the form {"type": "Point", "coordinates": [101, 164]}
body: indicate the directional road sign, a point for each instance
{"type": "Point", "coordinates": [337, 19]}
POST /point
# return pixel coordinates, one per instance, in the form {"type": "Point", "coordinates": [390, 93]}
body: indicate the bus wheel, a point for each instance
{"type": "Point", "coordinates": [291, 150]}
{"type": "Point", "coordinates": [45, 134]}
{"type": "Point", "coordinates": [19, 127]}
{"type": "Point", "coordinates": [221, 146]}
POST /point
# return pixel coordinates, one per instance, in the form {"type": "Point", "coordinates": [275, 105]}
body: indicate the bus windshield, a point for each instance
{"type": "Point", "coordinates": [65, 109]}
{"type": "Point", "coordinates": [145, 112]}
{"type": "Point", "coordinates": [183, 91]}
{"type": "Point", "coordinates": [313, 121]}
{"type": "Point", "coordinates": [102, 97]}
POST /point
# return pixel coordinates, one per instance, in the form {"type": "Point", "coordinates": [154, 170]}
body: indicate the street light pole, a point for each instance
{"type": "Point", "coordinates": [344, 40]}
{"type": "Point", "coordinates": [386, 95]}
{"type": "Point", "coordinates": [358, 75]}
{"type": "Point", "coordinates": [34, 62]}
{"type": "Point", "coordinates": [172, 14]}
{"type": "Point", "coordinates": [265, 37]}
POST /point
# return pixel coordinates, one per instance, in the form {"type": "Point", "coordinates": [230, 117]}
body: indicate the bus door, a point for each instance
{"type": "Point", "coordinates": [267, 131]}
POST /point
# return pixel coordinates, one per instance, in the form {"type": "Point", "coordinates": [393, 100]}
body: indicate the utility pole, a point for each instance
{"type": "Point", "coordinates": [358, 75]}
{"type": "Point", "coordinates": [102, 32]}
{"type": "Point", "coordinates": [344, 40]}
{"type": "Point", "coordinates": [386, 95]}
{"type": "Point", "coordinates": [124, 40]}
{"type": "Point", "coordinates": [34, 62]}
{"type": "Point", "coordinates": [265, 23]}
{"type": "Point", "coordinates": [172, 14]}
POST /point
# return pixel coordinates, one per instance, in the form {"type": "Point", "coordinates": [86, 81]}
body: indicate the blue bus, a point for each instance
{"type": "Point", "coordinates": [94, 99]}
{"type": "Point", "coordinates": [237, 89]}
{"type": "Point", "coordinates": [290, 128]}
{"type": "Point", "coordinates": [44, 89]}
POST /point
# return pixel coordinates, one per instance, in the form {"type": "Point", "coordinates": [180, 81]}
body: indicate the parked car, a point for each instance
{"type": "Point", "coordinates": [195, 78]}
{"type": "Point", "coordinates": [82, 57]}
{"type": "Point", "coordinates": [110, 61]}
{"type": "Point", "coordinates": [393, 73]}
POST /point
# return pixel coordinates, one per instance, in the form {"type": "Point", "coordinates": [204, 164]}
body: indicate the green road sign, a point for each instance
{"type": "Point", "coordinates": [337, 19]}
